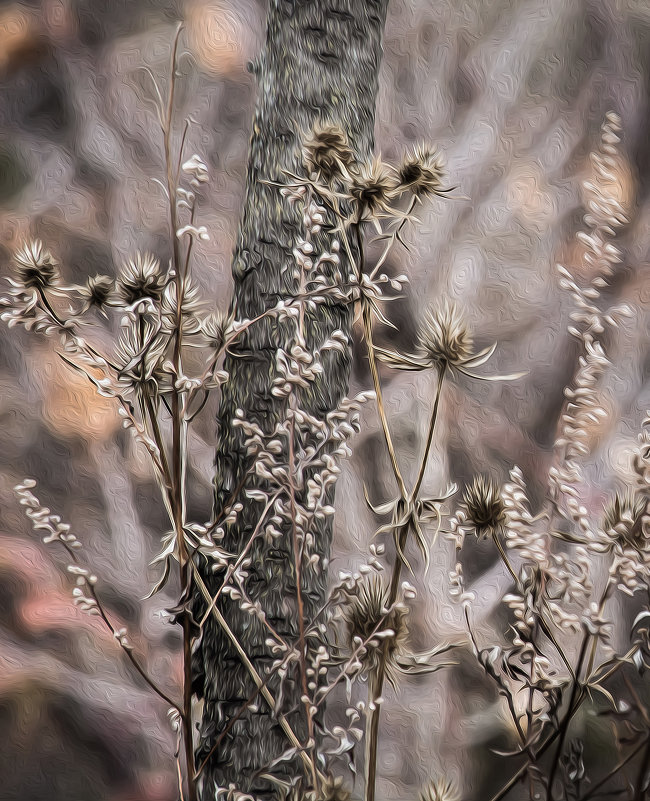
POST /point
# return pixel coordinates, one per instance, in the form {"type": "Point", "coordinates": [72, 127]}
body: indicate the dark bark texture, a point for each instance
{"type": "Point", "coordinates": [320, 63]}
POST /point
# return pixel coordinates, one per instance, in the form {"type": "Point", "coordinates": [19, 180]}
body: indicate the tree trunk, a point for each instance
{"type": "Point", "coordinates": [320, 63]}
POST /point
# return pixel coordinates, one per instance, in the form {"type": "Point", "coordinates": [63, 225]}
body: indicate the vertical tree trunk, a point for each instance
{"type": "Point", "coordinates": [320, 63]}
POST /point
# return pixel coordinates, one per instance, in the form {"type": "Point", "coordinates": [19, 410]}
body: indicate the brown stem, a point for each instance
{"type": "Point", "coordinates": [432, 426]}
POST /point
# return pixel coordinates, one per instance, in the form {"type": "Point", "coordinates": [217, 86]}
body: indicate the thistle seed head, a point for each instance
{"type": "Point", "coordinates": [444, 337]}
{"type": "Point", "coordinates": [326, 152]}
{"type": "Point", "coordinates": [367, 615]}
{"type": "Point", "coordinates": [214, 328]}
{"type": "Point", "coordinates": [333, 789]}
{"type": "Point", "coordinates": [35, 266]}
{"type": "Point", "coordinates": [141, 277]}
{"type": "Point", "coordinates": [484, 506]}
{"type": "Point", "coordinates": [439, 790]}
{"type": "Point", "coordinates": [626, 521]}
{"type": "Point", "coordinates": [97, 291]}
{"type": "Point", "coordinates": [373, 186]}
{"type": "Point", "coordinates": [422, 171]}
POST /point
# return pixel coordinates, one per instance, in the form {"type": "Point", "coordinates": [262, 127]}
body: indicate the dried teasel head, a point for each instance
{"type": "Point", "coordinates": [36, 268]}
{"type": "Point", "coordinates": [141, 277]}
{"type": "Point", "coordinates": [443, 337]}
{"type": "Point", "coordinates": [422, 172]}
{"type": "Point", "coordinates": [370, 621]}
{"type": "Point", "coordinates": [327, 153]}
{"type": "Point", "coordinates": [214, 328]}
{"type": "Point", "coordinates": [333, 789]}
{"type": "Point", "coordinates": [626, 521]}
{"type": "Point", "coordinates": [484, 506]}
{"type": "Point", "coordinates": [439, 790]}
{"type": "Point", "coordinates": [98, 291]}
{"type": "Point", "coordinates": [373, 187]}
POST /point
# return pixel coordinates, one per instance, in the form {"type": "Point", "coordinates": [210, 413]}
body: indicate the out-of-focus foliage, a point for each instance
{"type": "Point", "coordinates": [513, 94]}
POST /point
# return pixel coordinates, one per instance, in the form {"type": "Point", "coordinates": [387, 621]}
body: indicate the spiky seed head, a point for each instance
{"type": "Point", "coordinates": [333, 789]}
{"type": "Point", "coordinates": [97, 291]}
{"type": "Point", "coordinates": [484, 506]}
{"type": "Point", "coordinates": [439, 790]}
{"type": "Point", "coordinates": [626, 521]}
{"type": "Point", "coordinates": [373, 186]}
{"type": "Point", "coordinates": [327, 152]}
{"type": "Point", "coordinates": [214, 328]}
{"type": "Point", "coordinates": [443, 337]}
{"type": "Point", "coordinates": [141, 277]}
{"type": "Point", "coordinates": [35, 266]}
{"type": "Point", "coordinates": [368, 613]}
{"type": "Point", "coordinates": [422, 171]}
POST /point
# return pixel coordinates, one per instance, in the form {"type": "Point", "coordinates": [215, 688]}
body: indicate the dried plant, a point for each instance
{"type": "Point", "coordinates": [359, 638]}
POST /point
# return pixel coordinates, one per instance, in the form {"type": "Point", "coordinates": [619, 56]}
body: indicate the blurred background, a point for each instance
{"type": "Point", "coordinates": [513, 93]}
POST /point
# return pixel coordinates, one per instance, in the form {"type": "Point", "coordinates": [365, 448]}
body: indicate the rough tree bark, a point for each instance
{"type": "Point", "coordinates": [320, 63]}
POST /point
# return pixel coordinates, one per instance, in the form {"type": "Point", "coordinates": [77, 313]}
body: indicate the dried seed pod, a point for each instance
{"type": "Point", "coordinates": [36, 268]}
{"type": "Point", "coordinates": [422, 172]}
{"type": "Point", "coordinates": [444, 337]}
{"type": "Point", "coordinates": [369, 620]}
{"type": "Point", "coordinates": [141, 277]}
{"type": "Point", "coordinates": [484, 506]}
{"type": "Point", "coordinates": [327, 153]}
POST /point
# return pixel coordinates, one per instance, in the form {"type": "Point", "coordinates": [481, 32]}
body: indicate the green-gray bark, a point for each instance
{"type": "Point", "coordinates": [320, 63]}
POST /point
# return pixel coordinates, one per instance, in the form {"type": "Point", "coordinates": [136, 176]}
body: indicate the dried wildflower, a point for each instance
{"type": "Point", "coordinates": [35, 266]}
{"type": "Point", "coordinates": [444, 337]}
{"type": "Point", "coordinates": [333, 789]}
{"type": "Point", "coordinates": [439, 790]}
{"type": "Point", "coordinates": [214, 328]}
{"type": "Point", "coordinates": [373, 187]}
{"type": "Point", "coordinates": [626, 521]}
{"type": "Point", "coordinates": [141, 277]}
{"type": "Point", "coordinates": [98, 292]}
{"type": "Point", "coordinates": [327, 153]}
{"type": "Point", "coordinates": [485, 510]}
{"type": "Point", "coordinates": [422, 172]}
{"type": "Point", "coordinates": [370, 621]}
{"type": "Point", "coordinates": [443, 341]}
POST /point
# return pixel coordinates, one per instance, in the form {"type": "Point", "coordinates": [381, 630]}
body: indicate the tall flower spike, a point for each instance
{"type": "Point", "coordinates": [444, 340]}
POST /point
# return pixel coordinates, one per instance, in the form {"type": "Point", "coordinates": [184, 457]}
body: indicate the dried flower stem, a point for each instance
{"type": "Point", "coordinates": [377, 683]}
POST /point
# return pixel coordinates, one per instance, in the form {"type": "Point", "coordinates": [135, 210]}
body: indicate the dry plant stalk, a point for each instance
{"type": "Point", "coordinates": [359, 638]}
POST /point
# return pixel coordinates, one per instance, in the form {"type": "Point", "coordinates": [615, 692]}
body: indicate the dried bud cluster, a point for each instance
{"type": "Point", "coordinates": [484, 506]}
{"type": "Point", "coordinates": [371, 623]}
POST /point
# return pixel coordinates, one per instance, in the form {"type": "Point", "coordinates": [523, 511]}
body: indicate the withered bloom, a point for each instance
{"type": "Point", "coordinates": [98, 291]}
{"type": "Point", "coordinates": [141, 277]}
{"type": "Point", "coordinates": [444, 341]}
{"type": "Point", "coordinates": [484, 506]}
{"type": "Point", "coordinates": [36, 268]}
{"type": "Point", "coordinates": [422, 171]}
{"type": "Point", "coordinates": [327, 153]}
{"type": "Point", "coordinates": [369, 618]}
